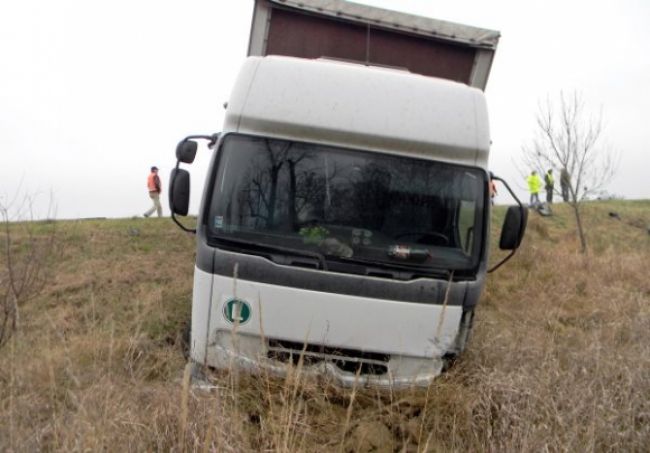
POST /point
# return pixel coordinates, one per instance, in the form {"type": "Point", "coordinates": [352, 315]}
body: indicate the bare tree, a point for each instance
{"type": "Point", "coordinates": [569, 138]}
{"type": "Point", "coordinates": [25, 247]}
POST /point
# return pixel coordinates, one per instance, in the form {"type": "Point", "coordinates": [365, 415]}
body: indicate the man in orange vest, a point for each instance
{"type": "Point", "coordinates": [154, 186]}
{"type": "Point", "coordinates": [493, 188]}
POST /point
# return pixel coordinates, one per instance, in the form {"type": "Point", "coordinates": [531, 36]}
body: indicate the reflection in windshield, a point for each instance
{"type": "Point", "coordinates": [348, 204]}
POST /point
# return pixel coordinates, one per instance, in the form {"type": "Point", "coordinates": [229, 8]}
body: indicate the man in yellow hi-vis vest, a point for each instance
{"type": "Point", "coordinates": [534, 186]}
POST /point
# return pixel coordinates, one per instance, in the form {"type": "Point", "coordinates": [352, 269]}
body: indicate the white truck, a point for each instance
{"type": "Point", "coordinates": [345, 217]}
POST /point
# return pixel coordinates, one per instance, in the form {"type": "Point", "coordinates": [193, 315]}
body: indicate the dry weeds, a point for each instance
{"type": "Point", "coordinates": [559, 359]}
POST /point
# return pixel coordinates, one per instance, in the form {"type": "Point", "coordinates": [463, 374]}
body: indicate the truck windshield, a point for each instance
{"type": "Point", "coordinates": [347, 205]}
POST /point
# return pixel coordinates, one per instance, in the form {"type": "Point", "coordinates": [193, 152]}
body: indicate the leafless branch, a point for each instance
{"type": "Point", "coordinates": [568, 138]}
{"type": "Point", "coordinates": [25, 247]}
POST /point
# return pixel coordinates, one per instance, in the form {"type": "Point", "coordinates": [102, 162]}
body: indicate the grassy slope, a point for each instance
{"type": "Point", "coordinates": [559, 359]}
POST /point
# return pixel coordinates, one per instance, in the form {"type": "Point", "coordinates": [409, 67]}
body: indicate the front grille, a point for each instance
{"type": "Point", "coordinates": [351, 360]}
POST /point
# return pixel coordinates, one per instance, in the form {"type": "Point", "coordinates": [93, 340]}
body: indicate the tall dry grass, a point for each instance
{"type": "Point", "coordinates": [559, 359]}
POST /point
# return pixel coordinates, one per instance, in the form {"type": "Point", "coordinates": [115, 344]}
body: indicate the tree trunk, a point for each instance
{"type": "Point", "coordinates": [293, 215]}
{"type": "Point", "coordinates": [581, 233]}
{"type": "Point", "coordinates": [275, 170]}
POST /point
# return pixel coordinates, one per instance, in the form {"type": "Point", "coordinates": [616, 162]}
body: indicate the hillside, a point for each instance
{"type": "Point", "coordinates": [559, 359]}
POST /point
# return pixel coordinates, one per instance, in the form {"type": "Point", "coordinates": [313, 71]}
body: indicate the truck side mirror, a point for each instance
{"type": "Point", "coordinates": [514, 226]}
{"type": "Point", "coordinates": [179, 180]}
{"type": "Point", "coordinates": [179, 190]}
{"type": "Point", "coordinates": [186, 151]}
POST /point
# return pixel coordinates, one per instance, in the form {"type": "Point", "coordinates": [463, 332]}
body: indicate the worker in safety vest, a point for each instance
{"type": "Point", "coordinates": [154, 187]}
{"type": "Point", "coordinates": [565, 182]}
{"type": "Point", "coordinates": [534, 186]}
{"type": "Point", "coordinates": [493, 188]}
{"type": "Point", "coordinates": [549, 182]}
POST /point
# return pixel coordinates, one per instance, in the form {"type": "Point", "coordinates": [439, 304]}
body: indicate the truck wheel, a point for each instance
{"type": "Point", "coordinates": [448, 361]}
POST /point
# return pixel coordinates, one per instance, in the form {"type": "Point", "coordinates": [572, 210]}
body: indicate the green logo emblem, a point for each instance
{"type": "Point", "coordinates": [237, 311]}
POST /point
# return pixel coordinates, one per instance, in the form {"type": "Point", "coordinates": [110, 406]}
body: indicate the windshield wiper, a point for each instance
{"type": "Point", "coordinates": [275, 248]}
{"type": "Point", "coordinates": [442, 273]}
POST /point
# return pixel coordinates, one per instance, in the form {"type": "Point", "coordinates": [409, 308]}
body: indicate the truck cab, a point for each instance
{"type": "Point", "coordinates": [344, 223]}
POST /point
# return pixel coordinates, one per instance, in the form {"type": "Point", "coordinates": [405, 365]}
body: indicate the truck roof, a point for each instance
{"type": "Point", "coordinates": [373, 36]}
{"type": "Point", "coordinates": [425, 26]}
{"type": "Point", "coordinates": [363, 107]}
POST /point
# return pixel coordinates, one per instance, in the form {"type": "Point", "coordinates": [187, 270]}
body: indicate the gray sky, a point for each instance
{"type": "Point", "coordinates": [92, 93]}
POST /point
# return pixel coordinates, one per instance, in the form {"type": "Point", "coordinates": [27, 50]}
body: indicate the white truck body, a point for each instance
{"type": "Point", "coordinates": [376, 110]}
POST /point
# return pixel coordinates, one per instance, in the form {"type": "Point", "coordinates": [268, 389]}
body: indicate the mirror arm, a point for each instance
{"type": "Point", "coordinates": [521, 206]}
{"type": "Point", "coordinates": [212, 139]}
{"type": "Point", "coordinates": [496, 178]}
{"type": "Point", "coordinates": [502, 262]}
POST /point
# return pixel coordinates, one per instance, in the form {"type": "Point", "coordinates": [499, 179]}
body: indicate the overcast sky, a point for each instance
{"type": "Point", "coordinates": [92, 93]}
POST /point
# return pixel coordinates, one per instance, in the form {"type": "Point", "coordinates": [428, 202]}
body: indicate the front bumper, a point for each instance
{"type": "Point", "coordinates": [232, 350]}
